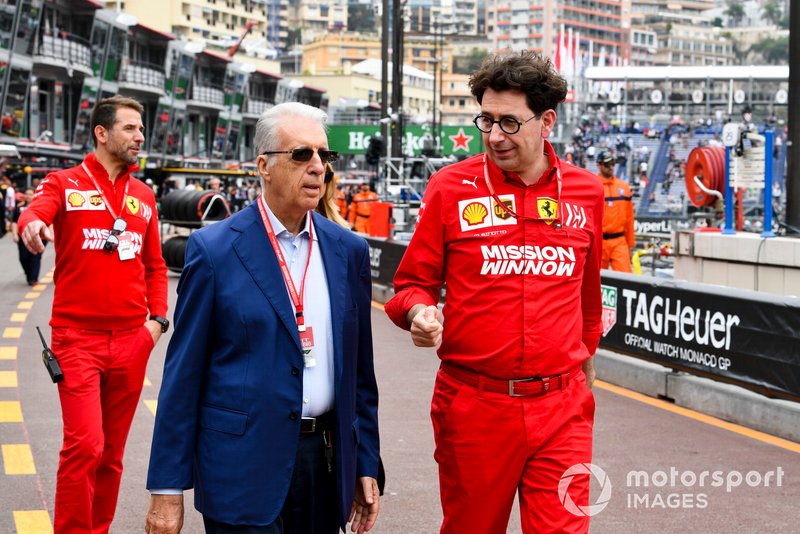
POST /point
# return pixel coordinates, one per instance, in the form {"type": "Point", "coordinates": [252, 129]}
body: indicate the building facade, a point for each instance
{"type": "Point", "coordinates": [61, 57]}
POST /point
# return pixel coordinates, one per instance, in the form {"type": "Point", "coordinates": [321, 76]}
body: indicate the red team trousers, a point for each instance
{"type": "Point", "coordinates": [103, 378]}
{"type": "Point", "coordinates": [491, 446]}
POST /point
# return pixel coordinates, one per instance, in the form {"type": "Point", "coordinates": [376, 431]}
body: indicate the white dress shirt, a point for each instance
{"type": "Point", "coordinates": [318, 380]}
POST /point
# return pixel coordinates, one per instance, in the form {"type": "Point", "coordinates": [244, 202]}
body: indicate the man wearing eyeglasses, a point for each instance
{"type": "Point", "coordinates": [618, 235]}
{"type": "Point", "coordinates": [269, 405]}
{"type": "Point", "coordinates": [516, 236]}
{"type": "Point", "coordinates": [109, 308]}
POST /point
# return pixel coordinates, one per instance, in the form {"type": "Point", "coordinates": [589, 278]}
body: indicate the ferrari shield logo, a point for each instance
{"type": "Point", "coordinates": [609, 298]}
{"type": "Point", "coordinates": [133, 205]}
{"type": "Point", "coordinates": [547, 208]}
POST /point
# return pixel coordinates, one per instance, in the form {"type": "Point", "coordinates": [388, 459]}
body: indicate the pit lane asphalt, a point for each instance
{"type": "Point", "coordinates": [630, 437]}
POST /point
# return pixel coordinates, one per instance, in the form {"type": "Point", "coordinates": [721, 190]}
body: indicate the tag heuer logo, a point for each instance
{"type": "Point", "coordinates": [609, 299]}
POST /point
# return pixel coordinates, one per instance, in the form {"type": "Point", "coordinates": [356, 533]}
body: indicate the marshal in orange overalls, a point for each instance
{"type": "Point", "coordinates": [360, 209]}
{"type": "Point", "coordinates": [618, 235]}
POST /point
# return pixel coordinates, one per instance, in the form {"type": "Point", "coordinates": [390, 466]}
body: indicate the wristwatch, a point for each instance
{"type": "Point", "coordinates": [163, 321]}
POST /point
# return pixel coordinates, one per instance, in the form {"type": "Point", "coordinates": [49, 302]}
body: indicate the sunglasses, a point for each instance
{"type": "Point", "coordinates": [304, 154]}
{"type": "Point", "coordinates": [112, 241]}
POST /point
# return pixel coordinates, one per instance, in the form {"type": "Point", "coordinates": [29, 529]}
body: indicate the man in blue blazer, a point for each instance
{"type": "Point", "coordinates": [268, 405]}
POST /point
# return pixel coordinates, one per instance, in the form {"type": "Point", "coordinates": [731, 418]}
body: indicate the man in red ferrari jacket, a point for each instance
{"type": "Point", "coordinates": [109, 308]}
{"type": "Point", "coordinates": [516, 235]}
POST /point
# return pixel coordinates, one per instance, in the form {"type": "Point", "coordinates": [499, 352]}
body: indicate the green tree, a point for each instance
{"type": "Point", "coordinates": [717, 22]}
{"type": "Point", "coordinates": [741, 55]}
{"type": "Point", "coordinates": [469, 63]}
{"type": "Point", "coordinates": [361, 18]}
{"type": "Point", "coordinates": [772, 51]}
{"type": "Point", "coordinates": [772, 13]}
{"type": "Point", "coordinates": [736, 12]}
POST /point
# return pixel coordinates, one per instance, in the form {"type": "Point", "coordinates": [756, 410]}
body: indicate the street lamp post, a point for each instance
{"type": "Point", "coordinates": [397, 77]}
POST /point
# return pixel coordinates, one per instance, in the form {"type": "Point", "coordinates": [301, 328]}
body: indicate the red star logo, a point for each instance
{"type": "Point", "coordinates": [461, 140]}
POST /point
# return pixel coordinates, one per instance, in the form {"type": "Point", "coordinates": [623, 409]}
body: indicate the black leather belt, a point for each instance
{"type": "Point", "coordinates": [312, 425]}
{"type": "Point", "coordinates": [613, 236]}
{"type": "Point", "coordinates": [520, 387]}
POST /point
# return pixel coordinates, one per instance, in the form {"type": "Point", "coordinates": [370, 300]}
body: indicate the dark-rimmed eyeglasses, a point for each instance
{"type": "Point", "coordinates": [112, 241]}
{"type": "Point", "coordinates": [304, 154]}
{"type": "Point", "coordinates": [509, 125]}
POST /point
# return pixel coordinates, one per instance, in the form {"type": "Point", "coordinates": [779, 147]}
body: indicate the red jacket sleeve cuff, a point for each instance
{"type": "Point", "coordinates": [397, 307]}
{"type": "Point", "coordinates": [591, 340]}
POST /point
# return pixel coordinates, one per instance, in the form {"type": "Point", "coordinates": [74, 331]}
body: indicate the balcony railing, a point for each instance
{"type": "Point", "coordinates": [258, 106]}
{"type": "Point", "coordinates": [208, 94]}
{"type": "Point", "coordinates": [66, 47]}
{"type": "Point", "coordinates": [143, 74]}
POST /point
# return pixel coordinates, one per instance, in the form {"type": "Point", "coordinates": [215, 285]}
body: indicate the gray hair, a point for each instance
{"type": "Point", "coordinates": [266, 137]}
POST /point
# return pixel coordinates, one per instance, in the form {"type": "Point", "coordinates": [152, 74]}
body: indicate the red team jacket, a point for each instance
{"type": "Point", "coordinates": [523, 296]}
{"type": "Point", "coordinates": [94, 289]}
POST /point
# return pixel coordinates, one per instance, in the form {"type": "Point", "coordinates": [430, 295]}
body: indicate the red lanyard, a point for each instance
{"type": "Point", "coordinates": [508, 210]}
{"type": "Point", "coordinates": [297, 298]}
{"type": "Point", "coordinates": [103, 195]}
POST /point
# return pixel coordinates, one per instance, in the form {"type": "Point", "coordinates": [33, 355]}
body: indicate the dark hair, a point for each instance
{"type": "Point", "coordinates": [527, 72]}
{"type": "Point", "coordinates": [105, 112]}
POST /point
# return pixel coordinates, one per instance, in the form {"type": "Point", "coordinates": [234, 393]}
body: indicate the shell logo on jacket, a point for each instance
{"type": "Point", "coordinates": [483, 212]}
{"type": "Point", "coordinates": [84, 200]}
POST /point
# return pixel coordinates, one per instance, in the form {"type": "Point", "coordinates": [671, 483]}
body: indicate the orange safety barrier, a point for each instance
{"type": "Point", "coordinates": [380, 224]}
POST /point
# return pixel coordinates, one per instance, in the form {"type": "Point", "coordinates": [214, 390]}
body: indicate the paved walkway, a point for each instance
{"type": "Point", "coordinates": [632, 433]}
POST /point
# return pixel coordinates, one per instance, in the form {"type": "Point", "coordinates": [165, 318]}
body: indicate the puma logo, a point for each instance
{"type": "Point", "coordinates": [472, 183]}
{"type": "Point", "coordinates": [73, 181]}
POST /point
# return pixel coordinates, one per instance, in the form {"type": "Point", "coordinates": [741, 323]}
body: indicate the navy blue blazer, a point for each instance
{"type": "Point", "coordinates": [228, 420]}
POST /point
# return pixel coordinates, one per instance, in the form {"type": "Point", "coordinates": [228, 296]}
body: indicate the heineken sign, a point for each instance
{"type": "Point", "coordinates": [455, 140]}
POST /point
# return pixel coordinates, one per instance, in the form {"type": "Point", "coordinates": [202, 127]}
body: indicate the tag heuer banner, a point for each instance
{"type": "Point", "coordinates": [744, 337]}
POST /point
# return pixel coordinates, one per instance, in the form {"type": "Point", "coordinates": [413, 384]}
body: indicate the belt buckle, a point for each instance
{"type": "Point", "coordinates": [511, 383]}
{"type": "Point", "coordinates": [313, 421]}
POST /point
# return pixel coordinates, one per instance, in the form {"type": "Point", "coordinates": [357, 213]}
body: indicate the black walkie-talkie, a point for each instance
{"type": "Point", "coordinates": [49, 360]}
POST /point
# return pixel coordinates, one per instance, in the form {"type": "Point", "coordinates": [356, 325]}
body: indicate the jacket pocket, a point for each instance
{"type": "Point", "coordinates": [223, 420]}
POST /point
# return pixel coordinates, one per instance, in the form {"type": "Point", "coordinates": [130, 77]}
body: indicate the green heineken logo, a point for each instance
{"type": "Point", "coordinates": [609, 299]}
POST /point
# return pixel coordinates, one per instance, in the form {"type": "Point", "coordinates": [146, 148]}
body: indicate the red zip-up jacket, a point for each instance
{"type": "Point", "coordinates": [523, 296]}
{"type": "Point", "coordinates": [94, 289]}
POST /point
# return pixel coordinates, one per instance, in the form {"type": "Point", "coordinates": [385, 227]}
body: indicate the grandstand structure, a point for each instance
{"type": "Point", "coordinates": [692, 93]}
{"type": "Point", "coordinates": [672, 110]}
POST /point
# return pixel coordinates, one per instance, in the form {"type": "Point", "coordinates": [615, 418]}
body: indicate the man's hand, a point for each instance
{"type": "Point", "coordinates": [426, 328]}
{"type": "Point", "coordinates": [366, 505]}
{"type": "Point", "coordinates": [155, 330]}
{"type": "Point", "coordinates": [588, 370]}
{"type": "Point", "coordinates": [165, 515]}
{"type": "Point", "coordinates": [33, 234]}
